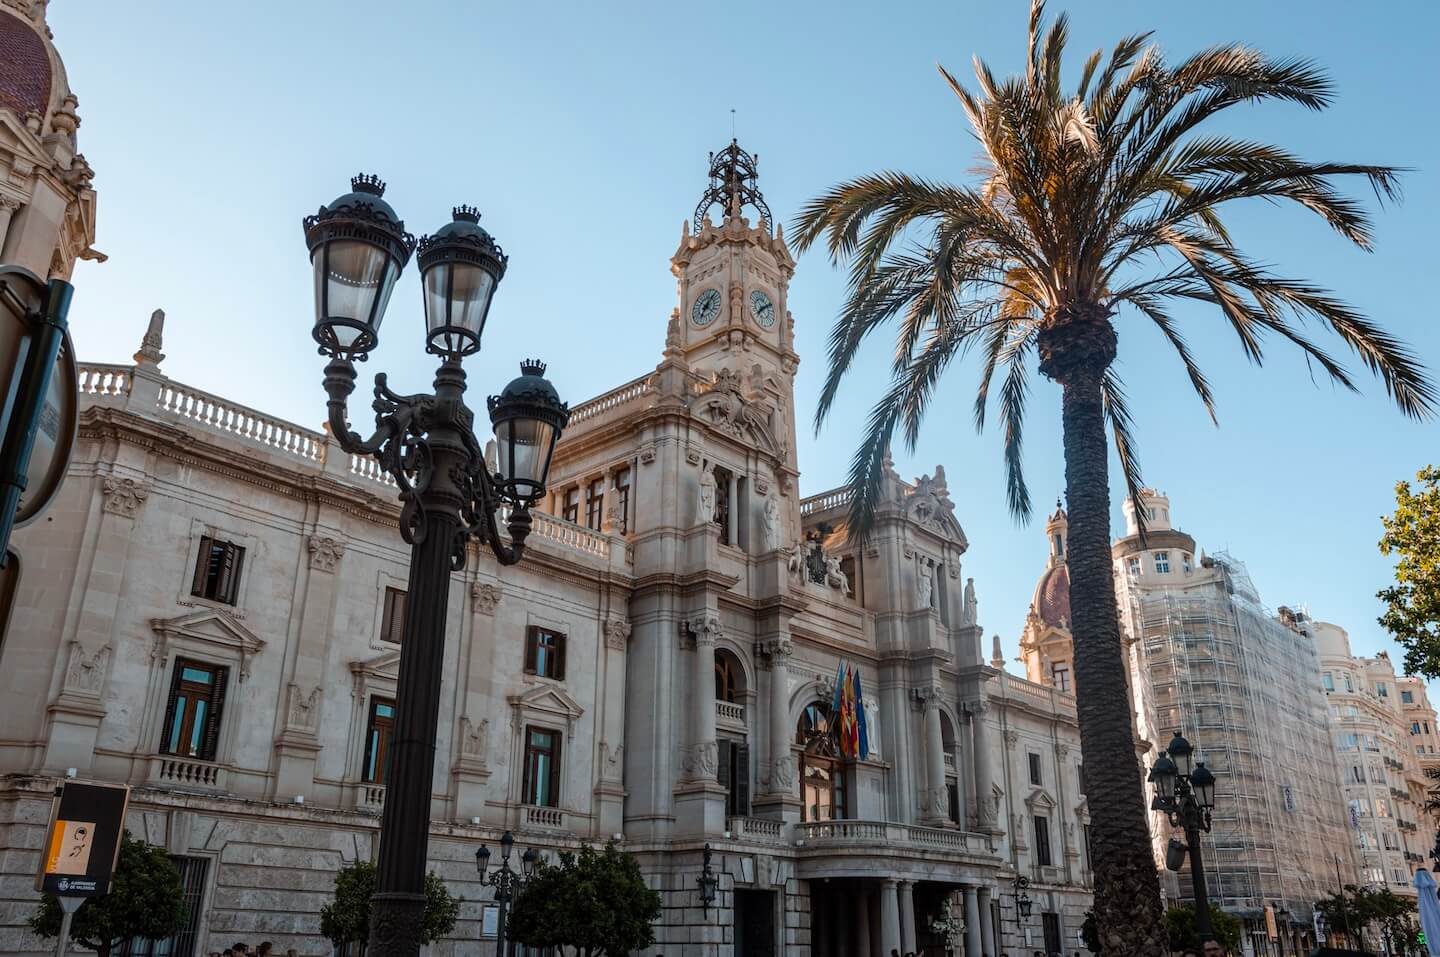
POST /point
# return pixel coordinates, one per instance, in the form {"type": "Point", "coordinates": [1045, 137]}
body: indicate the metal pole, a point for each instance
{"type": "Point", "coordinates": [1197, 870]}
{"type": "Point", "coordinates": [1344, 917]}
{"type": "Point", "coordinates": [502, 946]}
{"type": "Point", "coordinates": [68, 907]}
{"type": "Point", "coordinates": [36, 368]}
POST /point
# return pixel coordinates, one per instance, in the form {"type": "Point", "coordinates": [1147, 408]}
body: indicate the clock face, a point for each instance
{"type": "Point", "coordinates": [706, 308]}
{"type": "Point", "coordinates": [762, 309]}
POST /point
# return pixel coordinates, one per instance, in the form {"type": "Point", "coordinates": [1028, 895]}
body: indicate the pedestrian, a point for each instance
{"type": "Point", "coordinates": [1213, 948]}
{"type": "Point", "coordinates": [240, 949]}
{"type": "Point", "coordinates": [265, 948]}
{"type": "Point", "coordinates": [291, 953]}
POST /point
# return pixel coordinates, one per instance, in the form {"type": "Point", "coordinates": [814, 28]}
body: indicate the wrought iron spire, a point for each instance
{"type": "Point", "coordinates": [732, 185]}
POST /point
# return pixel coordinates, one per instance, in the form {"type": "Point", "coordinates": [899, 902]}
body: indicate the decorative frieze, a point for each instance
{"type": "Point", "coordinates": [124, 496]}
{"type": "Point", "coordinates": [325, 552]}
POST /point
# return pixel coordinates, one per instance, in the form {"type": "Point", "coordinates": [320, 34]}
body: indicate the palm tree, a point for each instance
{"type": "Point", "coordinates": [1090, 206]}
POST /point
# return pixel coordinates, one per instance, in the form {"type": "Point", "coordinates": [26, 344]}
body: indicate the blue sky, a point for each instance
{"type": "Point", "coordinates": [581, 131]}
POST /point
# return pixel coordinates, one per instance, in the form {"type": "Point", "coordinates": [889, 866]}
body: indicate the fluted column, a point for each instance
{"type": "Point", "coordinates": [704, 753]}
{"type": "Point", "coordinates": [987, 923]}
{"type": "Point", "coordinates": [782, 764]}
{"type": "Point", "coordinates": [984, 767]}
{"type": "Point", "coordinates": [972, 923]}
{"type": "Point", "coordinates": [936, 809]}
{"type": "Point", "coordinates": [907, 916]}
{"type": "Point", "coordinates": [889, 917]}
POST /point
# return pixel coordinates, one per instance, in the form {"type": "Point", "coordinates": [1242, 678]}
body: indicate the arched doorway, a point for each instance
{"type": "Point", "coordinates": [823, 791]}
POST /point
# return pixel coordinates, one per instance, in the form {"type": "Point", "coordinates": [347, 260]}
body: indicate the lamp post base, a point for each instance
{"type": "Point", "coordinates": [396, 924]}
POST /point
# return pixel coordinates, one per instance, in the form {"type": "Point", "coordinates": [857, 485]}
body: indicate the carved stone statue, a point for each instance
{"type": "Point", "coordinates": [705, 512]}
{"type": "Point", "coordinates": [834, 577]}
{"type": "Point", "coordinates": [923, 584]}
{"type": "Point", "coordinates": [772, 524]}
{"type": "Point", "coordinates": [969, 615]}
{"type": "Point", "coordinates": [796, 562]}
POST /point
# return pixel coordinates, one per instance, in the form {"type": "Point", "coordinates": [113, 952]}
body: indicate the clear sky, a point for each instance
{"type": "Point", "coordinates": [581, 131]}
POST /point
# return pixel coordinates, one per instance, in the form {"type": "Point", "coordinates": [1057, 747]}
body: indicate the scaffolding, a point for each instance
{"type": "Point", "coordinates": [1245, 688]}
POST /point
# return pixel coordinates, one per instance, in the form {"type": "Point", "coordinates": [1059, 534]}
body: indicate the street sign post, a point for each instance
{"type": "Point", "coordinates": [37, 405]}
{"type": "Point", "coordinates": [82, 846]}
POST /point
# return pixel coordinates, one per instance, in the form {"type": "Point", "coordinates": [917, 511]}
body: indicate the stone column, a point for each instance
{"type": "Point", "coordinates": [704, 755]}
{"type": "Point", "coordinates": [987, 923]}
{"type": "Point", "coordinates": [936, 808]}
{"type": "Point", "coordinates": [907, 916]}
{"type": "Point", "coordinates": [782, 764]}
{"type": "Point", "coordinates": [889, 917]}
{"type": "Point", "coordinates": [862, 925]}
{"type": "Point", "coordinates": [984, 769]}
{"type": "Point", "coordinates": [732, 518]}
{"type": "Point", "coordinates": [972, 923]}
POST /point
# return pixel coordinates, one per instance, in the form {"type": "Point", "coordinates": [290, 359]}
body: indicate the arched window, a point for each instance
{"type": "Point", "coordinates": [823, 792]}
{"type": "Point", "coordinates": [727, 677]}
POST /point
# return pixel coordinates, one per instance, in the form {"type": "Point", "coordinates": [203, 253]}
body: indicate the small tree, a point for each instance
{"type": "Point", "coordinates": [347, 918]}
{"type": "Point", "coordinates": [1090, 935]}
{"type": "Point", "coordinates": [1363, 907]}
{"type": "Point", "coordinates": [1180, 928]}
{"type": "Point", "coordinates": [596, 903]}
{"type": "Point", "coordinates": [1412, 612]}
{"type": "Point", "coordinates": [146, 899]}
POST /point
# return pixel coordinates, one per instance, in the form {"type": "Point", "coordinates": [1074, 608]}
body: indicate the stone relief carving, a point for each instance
{"type": "Point", "coordinates": [647, 455]}
{"type": "Point", "coordinates": [772, 524]}
{"type": "Point", "coordinates": [325, 552]}
{"type": "Point", "coordinates": [475, 739]}
{"type": "Point", "coordinates": [935, 802]}
{"type": "Point", "coordinates": [705, 506]}
{"type": "Point", "coordinates": [304, 709]}
{"type": "Point", "coordinates": [692, 456]}
{"type": "Point", "coordinates": [705, 628]}
{"type": "Point", "coordinates": [484, 597]}
{"type": "Point", "coordinates": [84, 673]}
{"type": "Point", "coordinates": [923, 584]}
{"type": "Point", "coordinates": [762, 487]}
{"type": "Point", "coordinates": [701, 760]}
{"type": "Point", "coordinates": [612, 762]}
{"type": "Point", "coordinates": [782, 774]}
{"type": "Point", "coordinates": [124, 496]}
{"type": "Point", "coordinates": [834, 577]}
{"type": "Point", "coordinates": [725, 406]}
{"type": "Point", "coordinates": [928, 503]}
{"type": "Point", "coordinates": [1012, 738]}
{"type": "Point", "coordinates": [617, 633]}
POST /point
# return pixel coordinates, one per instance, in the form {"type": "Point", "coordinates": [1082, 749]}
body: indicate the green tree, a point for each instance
{"type": "Point", "coordinates": [1093, 206]}
{"type": "Point", "coordinates": [595, 903]}
{"type": "Point", "coordinates": [347, 918]}
{"type": "Point", "coordinates": [1362, 907]}
{"type": "Point", "coordinates": [146, 899]}
{"type": "Point", "coordinates": [1180, 928]}
{"type": "Point", "coordinates": [1090, 935]}
{"type": "Point", "coordinates": [1412, 605]}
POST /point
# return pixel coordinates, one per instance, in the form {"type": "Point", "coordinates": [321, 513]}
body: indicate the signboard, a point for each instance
{"type": "Point", "coordinates": [1270, 928]}
{"type": "Point", "coordinates": [490, 921]}
{"type": "Point", "coordinates": [82, 843]}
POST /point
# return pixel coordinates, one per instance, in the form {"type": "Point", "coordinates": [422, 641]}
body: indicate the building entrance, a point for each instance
{"type": "Point", "coordinates": [754, 923]}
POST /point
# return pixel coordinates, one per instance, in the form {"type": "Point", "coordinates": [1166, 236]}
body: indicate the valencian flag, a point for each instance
{"type": "Point", "coordinates": [847, 709]}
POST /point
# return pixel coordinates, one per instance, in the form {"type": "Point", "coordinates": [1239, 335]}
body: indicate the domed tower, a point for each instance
{"type": "Point", "coordinates": [47, 206]}
{"type": "Point", "coordinates": [1046, 645]}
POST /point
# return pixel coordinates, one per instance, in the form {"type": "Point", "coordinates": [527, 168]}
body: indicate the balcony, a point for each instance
{"type": "Point", "coordinates": [756, 829]}
{"type": "Point", "coordinates": [728, 714]}
{"type": "Point", "coordinates": [949, 761]}
{"type": "Point", "coordinates": [545, 818]}
{"type": "Point", "coordinates": [884, 837]}
{"type": "Point", "coordinates": [186, 773]}
{"type": "Point", "coordinates": [372, 797]}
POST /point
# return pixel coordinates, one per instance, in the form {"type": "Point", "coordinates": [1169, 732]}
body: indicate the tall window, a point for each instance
{"type": "Point", "coordinates": [1162, 563]}
{"type": "Point", "coordinates": [1349, 684]}
{"type": "Point", "coordinates": [542, 767]}
{"type": "Point", "coordinates": [595, 504]}
{"type": "Point", "coordinates": [735, 777]}
{"type": "Point", "coordinates": [1414, 727]}
{"type": "Point", "coordinates": [1328, 680]}
{"type": "Point", "coordinates": [1050, 925]}
{"type": "Point", "coordinates": [1060, 676]}
{"type": "Point", "coordinates": [822, 776]}
{"type": "Point", "coordinates": [1407, 697]}
{"type": "Point", "coordinates": [722, 504]}
{"type": "Point", "coordinates": [622, 500]}
{"type": "Point", "coordinates": [192, 714]}
{"type": "Point", "coordinates": [952, 796]}
{"type": "Point", "coordinates": [1381, 690]}
{"type": "Point", "coordinates": [1042, 841]}
{"type": "Point", "coordinates": [544, 653]}
{"type": "Point", "coordinates": [1185, 564]}
{"type": "Point", "coordinates": [1132, 567]}
{"type": "Point", "coordinates": [392, 621]}
{"type": "Point", "coordinates": [217, 570]}
{"type": "Point", "coordinates": [727, 678]}
{"type": "Point", "coordinates": [570, 507]}
{"type": "Point", "coordinates": [1034, 768]}
{"type": "Point", "coordinates": [378, 731]}
{"type": "Point", "coordinates": [192, 883]}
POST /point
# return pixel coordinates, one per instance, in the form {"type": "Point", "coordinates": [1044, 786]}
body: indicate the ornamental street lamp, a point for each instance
{"type": "Point", "coordinates": [707, 883]}
{"type": "Point", "coordinates": [507, 883]}
{"type": "Point", "coordinates": [358, 247]}
{"type": "Point", "coordinates": [1187, 797]}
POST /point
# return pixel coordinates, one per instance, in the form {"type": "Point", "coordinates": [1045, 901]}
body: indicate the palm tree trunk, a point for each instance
{"type": "Point", "coordinates": [1128, 912]}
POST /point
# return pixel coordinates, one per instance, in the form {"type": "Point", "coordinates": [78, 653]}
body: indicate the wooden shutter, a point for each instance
{"type": "Point", "coordinates": [742, 780]}
{"type": "Point", "coordinates": [532, 638]}
{"type": "Point", "coordinates": [392, 625]}
{"type": "Point", "coordinates": [229, 591]}
{"type": "Point", "coordinates": [555, 769]}
{"type": "Point", "coordinates": [724, 769]}
{"type": "Point", "coordinates": [210, 747]}
{"type": "Point", "coordinates": [559, 656]}
{"type": "Point", "coordinates": [165, 728]}
{"type": "Point", "coordinates": [202, 562]}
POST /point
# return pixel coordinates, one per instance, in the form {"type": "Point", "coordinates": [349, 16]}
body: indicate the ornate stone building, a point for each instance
{"type": "Point", "coordinates": [210, 612]}
{"type": "Point", "coordinates": [1244, 685]}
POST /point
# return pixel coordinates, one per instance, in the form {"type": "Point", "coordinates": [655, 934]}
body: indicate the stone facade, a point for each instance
{"type": "Point", "coordinates": [700, 609]}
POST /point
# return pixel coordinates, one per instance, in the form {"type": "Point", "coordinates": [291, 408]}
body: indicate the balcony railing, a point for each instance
{"type": "Point", "coordinates": [372, 796]}
{"type": "Point", "coordinates": [729, 712]}
{"type": "Point", "coordinates": [949, 761]}
{"type": "Point", "coordinates": [547, 817]}
{"type": "Point", "coordinates": [615, 398]}
{"type": "Point", "coordinates": [825, 501]}
{"type": "Point", "coordinates": [185, 773]}
{"type": "Point", "coordinates": [884, 834]}
{"type": "Point", "coordinates": [755, 828]}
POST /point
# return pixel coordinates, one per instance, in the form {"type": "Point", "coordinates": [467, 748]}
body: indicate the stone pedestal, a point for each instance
{"type": "Point", "coordinates": [700, 810]}
{"type": "Point", "coordinates": [295, 765]}
{"type": "Point", "coordinates": [471, 779]}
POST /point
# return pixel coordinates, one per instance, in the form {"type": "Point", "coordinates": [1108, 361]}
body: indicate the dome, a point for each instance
{"type": "Point", "coordinates": [1052, 597]}
{"type": "Point", "coordinates": [25, 72]}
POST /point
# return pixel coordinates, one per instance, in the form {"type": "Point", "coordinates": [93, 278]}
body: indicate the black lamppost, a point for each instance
{"type": "Point", "coordinates": [1022, 903]}
{"type": "Point", "coordinates": [506, 882]}
{"type": "Point", "coordinates": [1187, 797]}
{"type": "Point", "coordinates": [448, 495]}
{"type": "Point", "coordinates": [707, 883]}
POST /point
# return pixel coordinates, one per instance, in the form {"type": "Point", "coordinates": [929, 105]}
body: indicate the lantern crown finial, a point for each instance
{"type": "Point", "coordinates": [532, 367]}
{"type": "Point", "coordinates": [466, 213]}
{"type": "Point", "coordinates": [367, 183]}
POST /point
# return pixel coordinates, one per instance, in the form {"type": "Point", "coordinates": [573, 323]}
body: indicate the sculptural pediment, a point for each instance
{"type": "Point", "coordinates": [210, 627]}
{"type": "Point", "coordinates": [1039, 801]}
{"type": "Point", "coordinates": [927, 503]}
{"type": "Point", "coordinates": [549, 698]}
{"type": "Point", "coordinates": [385, 665]}
{"type": "Point", "coordinates": [723, 405]}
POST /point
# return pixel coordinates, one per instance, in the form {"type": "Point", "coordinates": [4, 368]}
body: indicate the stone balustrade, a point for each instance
{"type": "Point", "coordinates": [847, 833]}
{"type": "Point", "coordinates": [99, 379]}
{"type": "Point", "coordinates": [546, 817]}
{"type": "Point", "coordinates": [835, 498]}
{"type": "Point", "coordinates": [372, 796]}
{"type": "Point", "coordinates": [755, 828]}
{"type": "Point", "coordinates": [183, 773]}
{"type": "Point", "coordinates": [244, 423]}
{"type": "Point", "coordinates": [729, 712]}
{"type": "Point", "coordinates": [613, 399]}
{"type": "Point", "coordinates": [1039, 696]}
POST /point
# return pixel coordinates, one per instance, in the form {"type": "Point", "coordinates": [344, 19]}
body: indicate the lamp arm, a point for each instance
{"type": "Point", "coordinates": [482, 504]}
